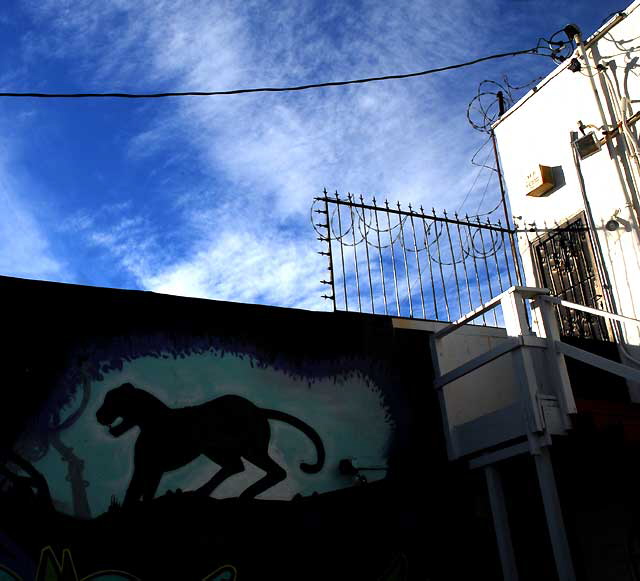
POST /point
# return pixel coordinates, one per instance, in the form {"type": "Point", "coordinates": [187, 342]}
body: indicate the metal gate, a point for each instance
{"type": "Point", "coordinates": [565, 262]}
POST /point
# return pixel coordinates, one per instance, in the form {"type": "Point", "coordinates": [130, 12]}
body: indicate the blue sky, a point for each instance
{"type": "Point", "coordinates": [210, 197]}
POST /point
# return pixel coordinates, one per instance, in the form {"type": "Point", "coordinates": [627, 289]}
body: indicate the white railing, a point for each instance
{"type": "Point", "coordinates": [543, 406]}
{"type": "Point", "coordinates": [540, 410]}
{"type": "Point", "coordinates": [546, 401]}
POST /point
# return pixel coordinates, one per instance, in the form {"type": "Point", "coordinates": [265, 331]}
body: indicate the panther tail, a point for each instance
{"type": "Point", "coordinates": [308, 431]}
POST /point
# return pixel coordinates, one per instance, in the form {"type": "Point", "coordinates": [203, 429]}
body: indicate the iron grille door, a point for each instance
{"type": "Point", "coordinates": [565, 263]}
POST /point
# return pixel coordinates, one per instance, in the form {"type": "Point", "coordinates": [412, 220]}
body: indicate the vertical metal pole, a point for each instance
{"type": "Point", "coordinates": [501, 523]}
{"type": "Point", "coordinates": [494, 249]}
{"type": "Point", "coordinates": [475, 263]}
{"type": "Point", "coordinates": [553, 512]}
{"type": "Point", "coordinates": [503, 195]}
{"type": "Point", "coordinates": [355, 250]}
{"type": "Point", "coordinates": [393, 257]}
{"type": "Point", "coordinates": [406, 264]}
{"type": "Point", "coordinates": [444, 286]}
{"type": "Point", "coordinates": [415, 249]}
{"type": "Point", "coordinates": [453, 261]}
{"type": "Point", "coordinates": [384, 286]}
{"type": "Point", "coordinates": [366, 246]}
{"type": "Point", "coordinates": [464, 263]}
{"type": "Point", "coordinates": [340, 235]}
{"type": "Point", "coordinates": [428, 249]}
{"type": "Point", "coordinates": [504, 251]}
{"type": "Point", "coordinates": [486, 267]}
{"type": "Point", "coordinates": [330, 252]}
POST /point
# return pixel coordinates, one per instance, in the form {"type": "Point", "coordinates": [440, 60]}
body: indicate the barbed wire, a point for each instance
{"type": "Point", "coordinates": [484, 109]}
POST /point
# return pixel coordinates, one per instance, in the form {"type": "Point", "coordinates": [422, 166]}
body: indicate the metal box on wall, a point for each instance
{"type": "Point", "coordinates": [539, 181]}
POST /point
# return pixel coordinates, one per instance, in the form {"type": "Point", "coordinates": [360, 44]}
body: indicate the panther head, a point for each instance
{"type": "Point", "coordinates": [116, 406]}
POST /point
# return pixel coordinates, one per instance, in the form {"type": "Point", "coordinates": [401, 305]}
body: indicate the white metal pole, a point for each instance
{"type": "Point", "coordinates": [553, 512]}
{"type": "Point", "coordinates": [501, 523]}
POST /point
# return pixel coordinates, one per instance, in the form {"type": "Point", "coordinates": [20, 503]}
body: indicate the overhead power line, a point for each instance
{"type": "Point", "coordinates": [535, 50]}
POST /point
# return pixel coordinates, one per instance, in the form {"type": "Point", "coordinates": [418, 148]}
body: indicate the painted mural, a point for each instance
{"type": "Point", "coordinates": [147, 436]}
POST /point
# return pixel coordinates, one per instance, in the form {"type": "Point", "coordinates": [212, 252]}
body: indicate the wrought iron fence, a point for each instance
{"type": "Point", "coordinates": [408, 263]}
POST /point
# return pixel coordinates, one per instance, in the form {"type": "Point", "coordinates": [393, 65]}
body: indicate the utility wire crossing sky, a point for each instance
{"type": "Point", "coordinates": [535, 50]}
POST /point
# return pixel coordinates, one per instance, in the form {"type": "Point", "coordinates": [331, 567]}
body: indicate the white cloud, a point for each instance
{"type": "Point", "coordinates": [241, 266]}
{"type": "Point", "coordinates": [26, 251]}
{"type": "Point", "coordinates": [407, 140]}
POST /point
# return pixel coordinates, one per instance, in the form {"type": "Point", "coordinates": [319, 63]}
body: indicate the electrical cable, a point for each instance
{"type": "Point", "coordinates": [484, 193]}
{"type": "Point", "coordinates": [480, 166]}
{"type": "Point", "coordinates": [534, 51]}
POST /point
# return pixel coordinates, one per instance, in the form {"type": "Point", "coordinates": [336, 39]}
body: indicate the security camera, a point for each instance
{"type": "Point", "coordinates": [612, 225]}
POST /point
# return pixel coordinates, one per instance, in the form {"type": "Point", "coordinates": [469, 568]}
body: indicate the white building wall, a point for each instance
{"type": "Point", "coordinates": [536, 130]}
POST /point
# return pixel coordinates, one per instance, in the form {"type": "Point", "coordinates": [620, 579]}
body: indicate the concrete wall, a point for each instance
{"type": "Point", "coordinates": [135, 427]}
{"type": "Point", "coordinates": [536, 130]}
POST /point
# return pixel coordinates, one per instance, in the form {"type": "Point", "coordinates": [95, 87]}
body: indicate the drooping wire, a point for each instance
{"type": "Point", "coordinates": [539, 50]}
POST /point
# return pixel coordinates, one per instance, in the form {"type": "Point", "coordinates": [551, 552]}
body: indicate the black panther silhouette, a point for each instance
{"type": "Point", "coordinates": [224, 429]}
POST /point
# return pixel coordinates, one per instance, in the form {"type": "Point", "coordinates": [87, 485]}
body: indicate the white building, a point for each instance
{"type": "Point", "coordinates": [588, 103]}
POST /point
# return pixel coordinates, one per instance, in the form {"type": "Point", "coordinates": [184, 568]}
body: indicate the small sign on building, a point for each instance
{"type": "Point", "coordinates": [539, 181]}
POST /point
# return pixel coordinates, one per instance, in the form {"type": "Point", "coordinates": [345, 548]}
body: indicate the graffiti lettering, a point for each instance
{"type": "Point", "coordinates": [50, 568]}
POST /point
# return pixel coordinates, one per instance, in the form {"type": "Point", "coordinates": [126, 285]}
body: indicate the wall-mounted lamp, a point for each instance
{"type": "Point", "coordinates": [587, 145]}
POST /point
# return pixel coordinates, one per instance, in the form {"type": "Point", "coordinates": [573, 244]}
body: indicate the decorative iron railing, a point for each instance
{"type": "Point", "coordinates": [387, 260]}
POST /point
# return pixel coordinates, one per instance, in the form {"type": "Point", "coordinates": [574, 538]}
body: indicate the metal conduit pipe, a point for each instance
{"type": "Point", "coordinates": [617, 110]}
{"type": "Point", "coordinates": [631, 198]}
{"type": "Point", "coordinates": [599, 256]}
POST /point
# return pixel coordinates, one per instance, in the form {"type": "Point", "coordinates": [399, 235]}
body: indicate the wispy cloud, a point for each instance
{"type": "Point", "coordinates": [26, 250]}
{"type": "Point", "coordinates": [270, 154]}
{"type": "Point", "coordinates": [240, 266]}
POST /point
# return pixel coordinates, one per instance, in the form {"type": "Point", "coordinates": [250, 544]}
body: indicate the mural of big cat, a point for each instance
{"type": "Point", "coordinates": [149, 437]}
